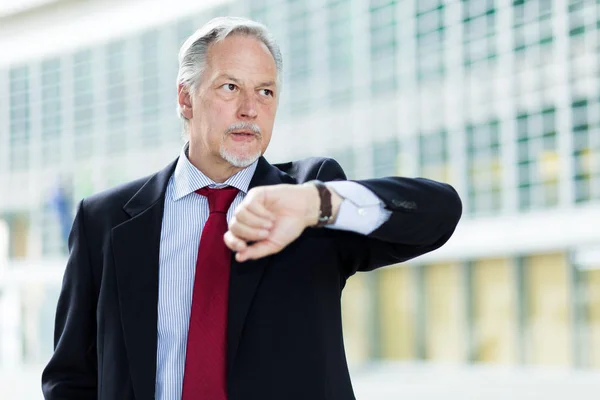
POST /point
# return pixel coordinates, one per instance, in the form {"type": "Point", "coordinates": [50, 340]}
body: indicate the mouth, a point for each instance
{"type": "Point", "coordinates": [243, 133]}
{"type": "Point", "coordinates": [243, 136]}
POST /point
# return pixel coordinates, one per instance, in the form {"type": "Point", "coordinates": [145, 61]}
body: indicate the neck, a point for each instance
{"type": "Point", "coordinates": [215, 168]}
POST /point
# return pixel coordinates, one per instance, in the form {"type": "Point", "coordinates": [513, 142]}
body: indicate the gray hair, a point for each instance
{"type": "Point", "coordinates": [192, 54]}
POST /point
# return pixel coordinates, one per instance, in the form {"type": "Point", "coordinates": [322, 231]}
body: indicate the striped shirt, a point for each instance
{"type": "Point", "coordinates": [185, 214]}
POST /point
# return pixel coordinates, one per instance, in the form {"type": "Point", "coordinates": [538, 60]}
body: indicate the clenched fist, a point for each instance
{"type": "Point", "coordinates": [272, 217]}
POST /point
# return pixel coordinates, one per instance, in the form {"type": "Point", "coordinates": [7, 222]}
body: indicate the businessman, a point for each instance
{"type": "Point", "coordinates": [220, 276]}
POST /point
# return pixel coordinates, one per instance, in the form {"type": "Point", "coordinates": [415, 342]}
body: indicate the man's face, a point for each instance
{"type": "Point", "coordinates": [234, 107]}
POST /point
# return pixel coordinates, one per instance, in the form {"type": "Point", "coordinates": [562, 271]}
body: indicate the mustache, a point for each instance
{"type": "Point", "coordinates": [244, 126]}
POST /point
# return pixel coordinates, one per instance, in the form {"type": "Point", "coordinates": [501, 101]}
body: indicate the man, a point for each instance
{"type": "Point", "coordinates": [220, 276]}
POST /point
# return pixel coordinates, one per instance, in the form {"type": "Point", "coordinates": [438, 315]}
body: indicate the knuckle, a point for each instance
{"type": "Point", "coordinates": [235, 229]}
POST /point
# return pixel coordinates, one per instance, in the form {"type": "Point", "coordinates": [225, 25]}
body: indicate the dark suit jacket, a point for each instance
{"type": "Point", "coordinates": [284, 326]}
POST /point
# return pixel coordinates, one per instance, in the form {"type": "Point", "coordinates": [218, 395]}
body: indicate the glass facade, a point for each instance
{"type": "Point", "coordinates": [499, 98]}
{"type": "Point", "coordinates": [430, 37]}
{"type": "Point", "coordinates": [484, 177]}
{"type": "Point", "coordinates": [51, 129]}
{"type": "Point", "coordinates": [83, 104]}
{"type": "Point", "coordinates": [383, 46]}
{"type": "Point", "coordinates": [538, 159]}
{"type": "Point", "coordinates": [20, 122]}
{"type": "Point", "coordinates": [340, 51]}
{"type": "Point", "coordinates": [104, 100]}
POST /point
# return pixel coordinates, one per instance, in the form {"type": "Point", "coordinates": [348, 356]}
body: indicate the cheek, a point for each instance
{"type": "Point", "coordinates": [268, 111]}
{"type": "Point", "coordinates": [214, 116]}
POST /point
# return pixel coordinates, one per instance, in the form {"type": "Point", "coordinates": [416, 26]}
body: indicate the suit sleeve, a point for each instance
{"type": "Point", "coordinates": [71, 373]}
{"type": "Point", "coordinates": [361, 211]}
{"type": "Point", "coordinates": [424, 215]}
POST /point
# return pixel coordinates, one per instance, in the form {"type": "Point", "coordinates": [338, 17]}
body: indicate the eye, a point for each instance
{"type": "Point", "coordinates": [229, 87]}
{"type": "Point", "coordinates": [266, 92]}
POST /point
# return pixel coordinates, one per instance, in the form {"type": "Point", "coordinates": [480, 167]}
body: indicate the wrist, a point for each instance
{"type": "Point", "coordinates": [336, 202]}
{"type": "Point", "coordinates": [323, 204]}
{"type": "Point", "coordinates": [313, 204]}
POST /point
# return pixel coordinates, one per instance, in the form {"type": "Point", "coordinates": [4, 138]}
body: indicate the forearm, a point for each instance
{"type": "Point", "coordinates": [424, 213]}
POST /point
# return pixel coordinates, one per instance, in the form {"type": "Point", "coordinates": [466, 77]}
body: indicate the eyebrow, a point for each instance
{"type": "Point", "coordinates": [267, 83]}
{"type": "Point", "coordinates": [262, 84]}
{"type": "Point", "coordinates": [227, 76]}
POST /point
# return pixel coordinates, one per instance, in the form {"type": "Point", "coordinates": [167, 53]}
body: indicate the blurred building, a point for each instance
{"type": "Point", "coordinates": [500, 98]}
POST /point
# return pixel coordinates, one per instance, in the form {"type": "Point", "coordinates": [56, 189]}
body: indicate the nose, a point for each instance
{"type": "Point", "coordinates": [247, 107]}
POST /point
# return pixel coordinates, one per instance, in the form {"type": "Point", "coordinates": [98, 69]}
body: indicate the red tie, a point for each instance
{"type": "Point", "coordinates": [205, 362]}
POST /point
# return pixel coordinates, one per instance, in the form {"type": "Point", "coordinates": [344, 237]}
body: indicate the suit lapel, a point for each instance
{"type": "Point", "coordinates": [246, 276]}
{"type": "Point", "coordinates": [136, 246]}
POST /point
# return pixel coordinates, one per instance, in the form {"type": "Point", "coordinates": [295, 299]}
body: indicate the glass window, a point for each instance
{"type": "Point", "coordinates": [430, 42]}
{"type": "Point", "coordinates": [299, 55]}
{"type": "Point", "coordinates": [538, 159]}
{"type": "Point", "coordinates": [382, 25]}
{"type": "Point", "coordinates": [20, 123]}
{"type": "Point", "coordinates": [150, 72]}
{"type": "Point", "coordinates": [115, 68]}
{"type": "Point", "coordinates": [484, 174]}
{"type": "Point", "coordinates": [52, 239]}
{"type": "Point", "coordinates": [340, 42]}
{"type": "Point", "coordinates": [51, 111]}
{"type": "Point", "coordinates": [83, 103]}
{"type": "Point", "coordinates": [150, 86]}
{"type": "Point", "coordinates": [183, 30]}
{"type": "Point", "coordinates": [479, 25]}
{"type": "Point", "coordinates": [346, 158]}
{"type": "Point", "coordinates": [116, 95]}
{"type": "Point", "coordinates": [385, 158]}
{"type": "Point", "coordinates": [299, 46]}
{"type": "Point", "coordinates": [533, 45]}
{"type": "Point", "coordinates": [433, 155]}
{"type": "Point", "coordinates": [576, 17]}
{"type": "Point", "coordinates": [83, 92]}
{"type": "Point", "coordinates": [586, 146]}
{"type": "Point", "coordinates": [474, 8]}
{"type": "Point", "coordinates": [428, 5]}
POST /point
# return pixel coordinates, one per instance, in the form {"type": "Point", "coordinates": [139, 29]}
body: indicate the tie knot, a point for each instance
{"type": "Point", "coordinates": [219, 200]}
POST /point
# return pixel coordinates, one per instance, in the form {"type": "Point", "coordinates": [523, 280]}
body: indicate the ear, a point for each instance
{"type": "Point", "coordinates": [185, 101]}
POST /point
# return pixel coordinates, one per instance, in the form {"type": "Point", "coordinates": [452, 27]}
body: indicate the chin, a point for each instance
{"type": "Point", "coordinates": [239, 159]}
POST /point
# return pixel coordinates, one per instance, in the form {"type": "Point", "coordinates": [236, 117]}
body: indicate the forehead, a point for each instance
{"type": "Point", "coordinates": [241, 54]}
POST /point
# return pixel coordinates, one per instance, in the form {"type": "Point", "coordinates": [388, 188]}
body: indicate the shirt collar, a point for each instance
{"type": "Point", "coordinates": [187, 178]}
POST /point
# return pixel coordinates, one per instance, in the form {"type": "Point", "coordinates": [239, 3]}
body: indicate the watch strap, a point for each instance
{"type": "Point", "coordinates": [325, 208]}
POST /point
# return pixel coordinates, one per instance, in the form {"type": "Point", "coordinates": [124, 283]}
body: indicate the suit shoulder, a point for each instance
{"type": "Point", "coordinates": [113, 199]}
{"type": "Point", "coordinates": [310, 168]}
{"type": "Point", "coordinates": [308, 162]}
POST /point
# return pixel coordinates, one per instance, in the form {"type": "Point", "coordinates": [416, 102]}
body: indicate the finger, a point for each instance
{"type": "Point", "coordinates": [246, 232]}
{"type": "Point", "coordinates": [248, 218]}
{"type": "Point", "coordinates": [234, 243]}
{"type": "Point", "coordinates": [257, 250]}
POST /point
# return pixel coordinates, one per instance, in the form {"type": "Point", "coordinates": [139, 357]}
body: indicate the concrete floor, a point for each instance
{"type": "Point", "coordinates": [412, 381]}
{"type": "Point", "coordinates": [450, 382]}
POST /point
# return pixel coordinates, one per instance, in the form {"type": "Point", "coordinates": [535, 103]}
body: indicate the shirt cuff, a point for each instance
{"type": "Point", "coordinates": [361, 210]}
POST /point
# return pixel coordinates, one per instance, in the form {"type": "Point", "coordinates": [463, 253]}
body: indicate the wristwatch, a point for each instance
{"type": "Point", "coordinates": [325, 209]}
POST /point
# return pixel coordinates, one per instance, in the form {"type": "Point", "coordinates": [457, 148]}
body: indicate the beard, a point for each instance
{"type": "Point", "coordinates": [237, 160]}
